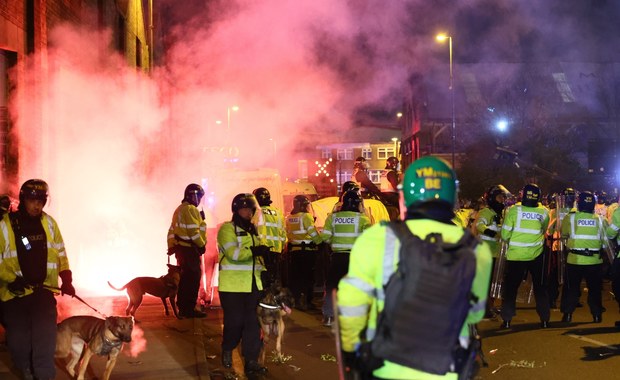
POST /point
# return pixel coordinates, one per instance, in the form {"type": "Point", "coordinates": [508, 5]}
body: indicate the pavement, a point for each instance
{"type": "Point", "coordinates": [162, 347]}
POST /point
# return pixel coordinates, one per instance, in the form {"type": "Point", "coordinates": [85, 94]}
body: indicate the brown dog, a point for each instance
{"type": "Point", "coordinates": [276, 302]}
{"type": "Point", "coordinates": [103, 337]}
{"type": "Point", "coordinates": [164, 287]}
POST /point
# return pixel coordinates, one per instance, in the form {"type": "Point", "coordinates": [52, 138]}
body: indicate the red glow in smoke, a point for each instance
{"type": "Point", "coordinates": [138, 343]}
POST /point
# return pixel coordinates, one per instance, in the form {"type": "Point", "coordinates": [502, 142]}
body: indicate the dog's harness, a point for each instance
{"type": "Point", "coordinates": [108, 345]}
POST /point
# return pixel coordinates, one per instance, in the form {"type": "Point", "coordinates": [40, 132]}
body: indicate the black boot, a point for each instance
{"type": "Point", "coordinates": [505, 325]}
{"type": "Point", "coordinates": [597, 318]}
{"type": "Point", "coordinates": [226, 358]}
{"type": "Point", "coordinates": [544, 324]}
{"type": "Point", "coordinates": [254, 369]}
{"type": "Point", "coordinates": [567, 317]}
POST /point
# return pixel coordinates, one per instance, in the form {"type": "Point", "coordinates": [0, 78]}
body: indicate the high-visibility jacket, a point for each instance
{"type": "Point", "coordinates": [236, 263]}
{"type": "Point", "coordinates": [300, 230]}
{"type": "Point", "coordinates": [9, 264]}
{"type": "Point", "coordinates": [462, 215]}
{"type": "Point", "coordinates": [584, 231]}
{"type": "Point", "coordinates": [361, 296]}
{"type": "Point", "coordinates": [271, 228]}
{"type": "Point", "coordinates": [554, 231]}
{"type": "Point", "coordinates": [187, 227]}
{"type": "Point", "coordinates": [342, 229]}
{"type": "Point", "coordinates": [610, 211]}
{"type": "Point", "coordinates": [524, 228]}
{"type": "Point", "coordinates": [486, 219]}
{"type": "Point", "coordinates": [384, 183]}
{"type": "Point", "coordinates": [613, 228]}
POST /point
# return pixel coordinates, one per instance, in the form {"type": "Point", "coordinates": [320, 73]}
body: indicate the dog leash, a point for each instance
{"type": "Point", "coordinates": [79, 299]}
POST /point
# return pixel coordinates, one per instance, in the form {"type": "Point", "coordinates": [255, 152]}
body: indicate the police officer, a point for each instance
{"type": "Point", "coordinates": [429, 191]}
{"type": "Point", "coordinates": [360, 176]}
{"type": "Point", "coordinates": [389, 182]}
{"type": "Point", "coordinates": [567, 206]}
{"type": "Point", "coordinates": [303, 247]}
{"type": "Point", "coordinates": [583, 233]}
{"type": "Point", "coordinates": [33, 257]}
{"type": "Point", "coordinates": [187, 239]}
{"type": "Point", "coordinates": [523, 230]}
{"type": "Point", "coordinates": [241, 264]}
{"type": "Point", "coordinates": [272, 234]}
{"type": "Point", "coordinates": [488, 225]}
{"type": "Point", "coordinates": [340, 231]}
{"type": "Point", "coordinates": [613, 233]}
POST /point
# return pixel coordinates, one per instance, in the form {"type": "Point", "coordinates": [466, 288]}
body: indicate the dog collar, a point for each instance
{"type": "Point", "coordinates": [268, 306]}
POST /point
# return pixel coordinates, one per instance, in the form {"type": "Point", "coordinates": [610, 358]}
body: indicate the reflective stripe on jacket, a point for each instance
{"type": "Point", "coordinates": [614, 227]}
{"type": "Point", "coordinates": [486, 219]}
{"type": "Point", "coordinates": [524, 228]}
{"type": "Point", "coordinates": [235, 258]}
{"type": "Point", "coordinates": [9, 264]}
{"type": "Point", "coordinates": [300, 229]}
{"type": "Point", "coordinates": [374, 258]}
{"type": "Point", "coordinates": [583, 231]}
{"type": "Point", "coordinates": [342, 229]}
{"type": "Point", "coordinates": [187, 227]}
{"type": "Point", "coordinates": [271, 228]}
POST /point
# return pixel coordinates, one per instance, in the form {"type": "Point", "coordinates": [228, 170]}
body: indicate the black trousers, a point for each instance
{"type": "Point", "coordinates": [302, 273]}
{"type": "Point", "coordinates": [615, 280]}
{"type": "Point", "coordinates": [30, 324]}
{"type": "Point", "coordinates": [189, 261]}
{"type": "Point", "coordinates": [593, 275]}
{"type": "Point", "coordinates": [338, 268]}
{"type": "Point", "coordinates": [514, 274]}
{"type": "Point", "coordinates": [241, 323]}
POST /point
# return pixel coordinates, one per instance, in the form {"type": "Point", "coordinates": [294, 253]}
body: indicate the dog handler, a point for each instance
{"type": "Point", "coordinates": [241, 264]}
{"type": "Point", "coordinates": [33, 257]}
{"type": "Point", "coordinates": [187, 240]}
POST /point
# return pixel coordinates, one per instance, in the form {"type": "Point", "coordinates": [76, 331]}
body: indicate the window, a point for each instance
{"type": "Point", "coordinates": [367, 153]}
{"type": "Point", "coordinates": [326, 153]}
{"type": "Point", "coordinates": [375, 175]}
{"type": "Point", "coordinates": [384, 153]}
{"type": "Point", "coordinates": [344, 154]}
{"type": "Point", "coordinates": [343, 176]}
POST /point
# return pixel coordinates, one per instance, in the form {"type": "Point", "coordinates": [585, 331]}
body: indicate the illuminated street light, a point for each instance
{"type": "Point", "coordinates": [441, 38]}
{"type": "Point", "coordinates": [228, 109]}
{"type": "Point", "coordinates": [502, 125]}
{"type": "Point", "coordinates": [399, 114]}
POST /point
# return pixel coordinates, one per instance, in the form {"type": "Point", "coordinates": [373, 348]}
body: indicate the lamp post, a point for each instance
{"type": "Point", "coordinates": [228, 109]}
{"type": "Point", "coordinates": [441, 38]}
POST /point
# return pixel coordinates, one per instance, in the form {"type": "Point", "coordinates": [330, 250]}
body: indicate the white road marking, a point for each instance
{"type": "Point", "coordinates": [593, 341]}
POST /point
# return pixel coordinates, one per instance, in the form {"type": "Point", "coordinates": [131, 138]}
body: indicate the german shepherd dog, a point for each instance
{"type": "Point", "coordinates": [104, 337]}
{"type": "Point", "coordinates": [164, 287]}
{"type": "Point", "coordinates": [275, 303]}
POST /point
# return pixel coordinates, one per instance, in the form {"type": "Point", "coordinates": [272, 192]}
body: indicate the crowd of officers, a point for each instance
{"type": "Point", "coordinates": [559, 240]}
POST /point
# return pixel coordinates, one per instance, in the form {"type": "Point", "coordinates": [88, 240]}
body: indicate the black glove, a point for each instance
{"type": "Point", "coordinates": [490, 233]}
{"type": "Point", "coordinates": [18, 287]}
{"type": "Point", "coordinates": [67, 287]}
{"type": "Point", "coordinates": [497, 219]}
{"type": "Point", "coordinates": [260, 251]}
{"type": "Point", "coordinates": [201, 250]}
{"type": "Point", "coordinates": [171, 250]}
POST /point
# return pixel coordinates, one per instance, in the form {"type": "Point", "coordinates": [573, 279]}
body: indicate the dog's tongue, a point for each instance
{"type": "Point", "coordinates": [287, 309]}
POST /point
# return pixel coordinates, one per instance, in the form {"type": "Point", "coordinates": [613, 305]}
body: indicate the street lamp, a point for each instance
{"type": "Point", "coordinates": [441, 38]}
{"type": "Point", "coordinates": [228, 109]}
{"type": "Point", "coordinates": [395, 141]}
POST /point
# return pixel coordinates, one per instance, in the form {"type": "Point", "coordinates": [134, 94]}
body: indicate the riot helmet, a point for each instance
{"type": "Point", "coordinates": [601, 197]}
{"type": "Point", "coordinates": [569, 197]}
{"type": "Point", "coordinates": [360, 163]}
{"type": "Point", "coordinates": [391, 163]}
{"type": "Point", "coordinates": [193, 194]}
{"type": "Point", "coordinates": [429, 179]}
{"type": "Point", "coordinates": [531, 195]}
{"type": "Point", "coordinates": [350, 185]}
{"type": "Point", "coordinates": [34, 189]}
{"type": "Point", "coordinates": [262, 196]}
{"type": "Point", "coordinates": [586, 201]}
{"type": "Point", "coordinates": [491, 194]}
{"type": "Point", "coordinates": [351, 201]}
{"type": "Point", "coordinates": [243, 200]}
{"type": "Point", "coordinates": [5, 204]}
{"type": "Point", "coordinates": [300, 204]}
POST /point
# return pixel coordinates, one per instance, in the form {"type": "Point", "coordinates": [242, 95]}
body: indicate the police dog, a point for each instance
{"type": "Point", "coordinates": [164, 287]}
{"type": "Point", "coordinates": [275, 303]}
{"type": "Point", "coordinates": [104, 337]}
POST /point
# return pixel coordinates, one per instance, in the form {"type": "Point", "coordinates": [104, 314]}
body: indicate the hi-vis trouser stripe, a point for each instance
{"type": "Point", "coordinates": [582, 237]}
